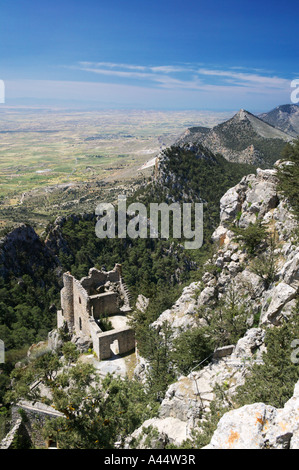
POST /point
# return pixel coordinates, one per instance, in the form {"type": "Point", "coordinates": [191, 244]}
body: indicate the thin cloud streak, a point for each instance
{"type": "Point", "coordinates": [159, 87]}
{"type": "Point", "coordinates": [148, 68]}
{"type": "Point", "coordinates": [253, 79]}
{"type": "Point", "coordinates": [188, 76]}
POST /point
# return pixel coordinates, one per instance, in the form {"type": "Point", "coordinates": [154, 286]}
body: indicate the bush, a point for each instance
{"type": "Point", "coordinates": [265, 264]}
{"type": "Point", "coordinates": [251, 237]}
{"type": "Point", "coordinates": [289, 176]}
{"type": "Point", "coordinates": [190, 348]}
{"type": "Point", "coordinates": [273, 381]}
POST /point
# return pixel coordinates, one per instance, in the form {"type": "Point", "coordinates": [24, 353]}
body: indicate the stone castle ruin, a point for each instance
{"type": "Point", "coordinates": [86, 302]}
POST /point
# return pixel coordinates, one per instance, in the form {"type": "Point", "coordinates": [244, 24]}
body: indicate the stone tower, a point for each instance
{"type": "Point", "coordinates": [67, 300]}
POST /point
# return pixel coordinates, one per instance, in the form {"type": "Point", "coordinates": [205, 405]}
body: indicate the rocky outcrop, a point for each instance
{"type": "Point", "coordinates": [22, 250]}
{"type": "Point", "coordinates": [181, 316]}
{"type": "Point", "coordinates": [142, 303]}
{"type": "Point", "coordinates": [259, 426]}
{"type": "Point", "coordinates": [188, 399]}
{"type": "Point", "coordinates": [54, 239]}
{"type": "Point", "coordinates": [254, 198]}
{"type": "Point", "coordinates": [156, 433]}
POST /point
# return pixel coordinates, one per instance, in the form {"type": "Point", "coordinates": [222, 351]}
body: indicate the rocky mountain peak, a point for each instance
{"type": "Point", "coordinates": [242, 114]}
{"type": "Point", "coordinates": [284, 117]}
{"type": "Point", "coordinates": [235, 137]}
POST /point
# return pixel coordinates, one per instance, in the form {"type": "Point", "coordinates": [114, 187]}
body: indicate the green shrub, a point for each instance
{"type": "Point", "coordinates": [289, 176]}
{"type": "Point", "coordinates": [273, 381]}
{"type": "Point", "coordinates": [252, 236]}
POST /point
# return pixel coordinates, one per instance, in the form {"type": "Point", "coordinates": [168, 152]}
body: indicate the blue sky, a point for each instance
{"type": "Point", "coordinates": [192, 54]}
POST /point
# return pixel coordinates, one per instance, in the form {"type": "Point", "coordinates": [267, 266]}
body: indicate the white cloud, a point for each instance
{"type": "Point", "coordinates": [250, 79]}
{"type": "Point", "coordinates": [187, 76]}
{"type": "Point", "coordinates": [112, 65]}
{"type": "Point", "coordinates": [146, 68]}
{"type": "Point", "coordinates": [118, 73]}
{"type": "Point", "coordinates": [170, 86]}
{"type": "Point", "coordinates": [156, 74]}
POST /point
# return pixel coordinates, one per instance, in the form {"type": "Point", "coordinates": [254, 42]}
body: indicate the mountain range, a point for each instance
{"type": "Point", "coordinates": [284, 117]}
{"type": "Point", "coordinates": [247, 138]}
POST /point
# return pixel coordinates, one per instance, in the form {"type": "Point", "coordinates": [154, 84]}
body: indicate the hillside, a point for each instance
{"type": "Point", "coordinates": [194, 174]}
{"type": "Point", "coordinates": [211, 333]}
{"type": "Point", "coordinates": [245, 138]}
{"type": "Point", "coordinates": [234, 332]}
{"type": "Point", "coordinates": [32, 267]}
{"type": "Point", "coordinates": [284, 117]}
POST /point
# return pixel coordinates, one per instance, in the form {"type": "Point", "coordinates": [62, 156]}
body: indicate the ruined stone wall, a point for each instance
{"type": "Point", "coordinates": [84, 301]}
{"type": "Point", "coordinates": [60, 319]}
{"type": "Point", "coordinates": [75, 305]}
{"type": "Point", "coordinates": [125, 338]}
{"type": "Point", "coordinates": [97, 278]}
{"type": "Point", "coordinates": [94, 279]}
{"type": "Point", "coordinates": [67, 304]}
{"type": "Point", "coordinates": [95, 331]}
{"type": "Point", "coordinates": [106, 303]}
{"type": "Point", "coordinates": [113, 276]}
{"type": "Point", "coordinates": [33, 418]}
{"type": "Point", "coordinates": [82, 308]}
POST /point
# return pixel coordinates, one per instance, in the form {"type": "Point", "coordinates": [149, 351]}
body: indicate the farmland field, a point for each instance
{"type": "Point", "coordinates": [54, 160]}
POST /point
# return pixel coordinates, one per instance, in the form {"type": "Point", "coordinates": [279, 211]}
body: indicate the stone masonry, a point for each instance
{"type": "Point", "coordinates": [84, 303]}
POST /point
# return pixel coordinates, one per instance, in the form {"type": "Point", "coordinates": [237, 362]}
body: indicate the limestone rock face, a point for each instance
{"type": "Point", "coordinates": [142, 303]}
{"type": "Point", "coordinates": [156, 433]}
{"type": "Point", "coordinates": [23, 239]}
{"type": "Point", "coordinates": [290, 270]}
{"type": "Point", "coordinates": [189, 398]}
{"type": "Point", "coordinates": [255, 197]}
{"type": "Point", "coordinates": [259, 426]}
{"type": "Point", "coordinates": [181, 316]}
{"type": "Point", "coordinates": [230, 205]}
{"type": "Point", "coordinates": [282, 294]}
{"type": "Point", "coordinates": [251, 343]}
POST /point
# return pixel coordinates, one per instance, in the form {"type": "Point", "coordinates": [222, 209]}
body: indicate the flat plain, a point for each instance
{"type": "Point", "coordinates": [55, 161]}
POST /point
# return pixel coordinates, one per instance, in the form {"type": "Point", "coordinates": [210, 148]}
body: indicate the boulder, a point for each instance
{"type": "Point", "coordinates": [280, 296]}
{"type": "Point", "coordinates": [83, 343]}
{"type": "Point", "coordinates": [54, 340]}
{"type": "Point", "coordinates": [142, 303]}
{"type": "Point", "coordinates": [259, 426]}
{"type": "Point", "coordinates": [252, 342]}
{"type": "Point", "coordinates": [219, 235]}
{"type": "Point", "coordinates": [156, 433]}
{"type": "Point", "coordinates": [230, 206]}
{"type": "Point", "coordinates": [243, 428]}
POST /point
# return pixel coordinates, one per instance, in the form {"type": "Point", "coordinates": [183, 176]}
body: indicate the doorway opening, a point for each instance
{"type": "Point", "coordinates": [115, 347]}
